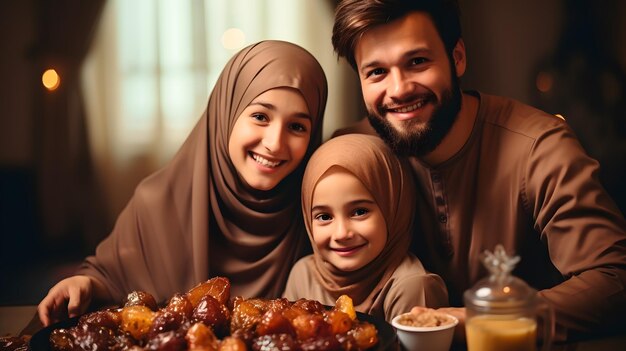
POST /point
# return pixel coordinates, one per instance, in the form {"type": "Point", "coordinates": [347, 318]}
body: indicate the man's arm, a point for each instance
{"type": "Point", "coordinates": [584, 232]}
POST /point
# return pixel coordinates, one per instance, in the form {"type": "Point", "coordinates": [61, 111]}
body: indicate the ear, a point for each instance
{"type": "Point", "coordinates": [458, 55]}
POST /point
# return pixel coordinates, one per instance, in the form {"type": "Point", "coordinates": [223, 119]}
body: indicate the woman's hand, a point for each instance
{"type": "Point", "coordinates": [68, 298]}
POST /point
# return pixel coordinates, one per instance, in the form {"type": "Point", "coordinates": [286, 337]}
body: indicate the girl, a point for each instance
{"type": "Point", "coordinates": [227, 203]}
{"type": "Point", "coordinates": [357, 201]}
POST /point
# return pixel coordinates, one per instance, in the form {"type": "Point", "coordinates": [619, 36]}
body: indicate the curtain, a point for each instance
{"type": "Point", "coordinates": [153, 63]}
{"type": "Point", "coordinates": [69, 196]}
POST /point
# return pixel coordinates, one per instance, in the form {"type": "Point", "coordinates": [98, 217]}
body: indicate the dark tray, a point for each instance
{"type": "Point", "coordinates": [386, 334]}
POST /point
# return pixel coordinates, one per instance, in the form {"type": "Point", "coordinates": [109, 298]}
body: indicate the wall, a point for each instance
{"type": "Point", "coordinates": [16, 39]}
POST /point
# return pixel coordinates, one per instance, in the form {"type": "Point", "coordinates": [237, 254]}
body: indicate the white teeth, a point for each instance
{"type": "Point", "coordinates": [265, 162]}
{"type": "Point", "coordinates": [411, 108]}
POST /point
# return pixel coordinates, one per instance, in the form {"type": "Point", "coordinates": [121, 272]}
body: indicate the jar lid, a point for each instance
{"type": "Point", "coordinates": [500, 291]}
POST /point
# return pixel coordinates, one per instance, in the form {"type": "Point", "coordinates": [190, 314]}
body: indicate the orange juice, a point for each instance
{"type": "Point", "coordinates": [487, 333]}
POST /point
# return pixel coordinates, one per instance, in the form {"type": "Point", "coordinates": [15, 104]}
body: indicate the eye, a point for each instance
{"type": "Point", "coordinates": [259, 117]}
{"type": "Point", "coordinates": [298, 127]}
{"type": "Point", "coordinates": [418, 60]}
{"type": "Point", "coordinates": [374, 72]}
{"type": "Point", "coordinates": [359, 212]}
{"type": "Point", "coordinates": [322, 217]}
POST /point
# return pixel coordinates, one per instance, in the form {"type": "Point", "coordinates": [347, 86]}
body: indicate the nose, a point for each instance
{"type": "Point", "coordinates": [400, 85]}
{"type": "Point", "coordinates": [273, 138]}
{"type": "Point", "coordinates": [343, 230]}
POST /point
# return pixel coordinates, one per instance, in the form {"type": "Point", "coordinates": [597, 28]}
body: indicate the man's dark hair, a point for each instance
{"type": "Point", "coordinates": [355, 17]}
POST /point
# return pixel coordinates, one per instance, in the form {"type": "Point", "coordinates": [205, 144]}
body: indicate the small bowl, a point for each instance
{"type": "Point", "coordinates": [437, 338]}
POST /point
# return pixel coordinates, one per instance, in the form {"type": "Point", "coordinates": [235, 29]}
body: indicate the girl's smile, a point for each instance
{"type": "Point", "coordinates": [348, 251]}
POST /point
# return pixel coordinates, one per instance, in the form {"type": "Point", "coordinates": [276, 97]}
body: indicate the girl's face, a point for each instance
{"type": "Point", "coordinates": [270, 137]}
{"type": "Point", "coordinates": [347, 225]}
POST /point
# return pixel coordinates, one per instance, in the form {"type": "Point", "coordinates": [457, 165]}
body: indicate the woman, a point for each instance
{"type": "Point", "coordinates": [227, 204]}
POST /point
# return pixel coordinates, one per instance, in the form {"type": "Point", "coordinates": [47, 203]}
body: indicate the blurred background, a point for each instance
{"type": "Point", "coordinates": [98, 94]}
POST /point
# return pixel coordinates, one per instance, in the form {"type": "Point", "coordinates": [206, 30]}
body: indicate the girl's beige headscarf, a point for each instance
{"type": "Point", "coordinates": [195, 219]}
{"type": "Point", "coordinates": [389, 181]}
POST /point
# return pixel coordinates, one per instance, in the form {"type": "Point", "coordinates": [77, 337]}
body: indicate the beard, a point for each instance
{"type": "Point", "coordinates": [421, 141]}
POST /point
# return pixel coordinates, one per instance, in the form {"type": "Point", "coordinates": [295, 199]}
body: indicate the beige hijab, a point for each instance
{"type": "Point", "coordinates": [389, 181]}
{"type": "Point", "coordinates": [195, 218]}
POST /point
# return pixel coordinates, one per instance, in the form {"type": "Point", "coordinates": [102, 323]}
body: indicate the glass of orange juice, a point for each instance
{"type": "Point", "coordinates": [493, 332]}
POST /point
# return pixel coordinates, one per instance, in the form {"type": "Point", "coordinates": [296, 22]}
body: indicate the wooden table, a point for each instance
{"type": "Point", "coordinates": [13, 319]}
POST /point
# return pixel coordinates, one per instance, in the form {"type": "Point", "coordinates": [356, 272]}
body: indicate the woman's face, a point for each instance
{"type": "Point", "coordinates": [270, 137]}
{"type": "Point", "coordinates": [347, 225]}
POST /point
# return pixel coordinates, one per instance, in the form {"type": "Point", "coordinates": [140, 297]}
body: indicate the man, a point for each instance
{"type": "Point", "coordinates": [490, 170]}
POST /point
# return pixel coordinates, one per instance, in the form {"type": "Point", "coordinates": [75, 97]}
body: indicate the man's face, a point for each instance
{"type": "Point", "coordinates": [409, 85]}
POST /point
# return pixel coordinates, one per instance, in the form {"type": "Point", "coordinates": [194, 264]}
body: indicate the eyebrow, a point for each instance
{"type": "Point", "coordinates": [407, 54]}
{"type": "Point", "coordinates": [271, 107]}
{"type": "Point", "coordinates": [351, 203]}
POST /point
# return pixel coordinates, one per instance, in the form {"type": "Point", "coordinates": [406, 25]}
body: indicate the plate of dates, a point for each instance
{"type": "Point", "coordinates": [207, 318]}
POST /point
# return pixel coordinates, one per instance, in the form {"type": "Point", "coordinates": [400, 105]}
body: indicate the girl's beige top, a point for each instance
{"type": "Point", "coordinates": [390, 182]}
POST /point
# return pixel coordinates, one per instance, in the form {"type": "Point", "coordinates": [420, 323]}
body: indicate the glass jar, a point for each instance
{"type": "Point", "coordinates": [503, 311]}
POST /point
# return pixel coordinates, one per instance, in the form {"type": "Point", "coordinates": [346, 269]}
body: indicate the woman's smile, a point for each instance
{"type": "Point", "coordinates": [265, 161]}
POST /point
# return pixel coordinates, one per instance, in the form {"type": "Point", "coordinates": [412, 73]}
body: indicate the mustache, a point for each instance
{"type": "Point", "coordinates": [426, 97]}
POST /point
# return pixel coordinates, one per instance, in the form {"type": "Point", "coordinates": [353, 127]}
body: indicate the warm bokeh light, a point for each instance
{"type": "Point", "coordinates": [506, 289]}
{"type": "Point", "coordinates": [233, 38]}
{"type": "Point", "coordinates": [544, 82]}
{"type": "Point", "coordinates": [51, 79]}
